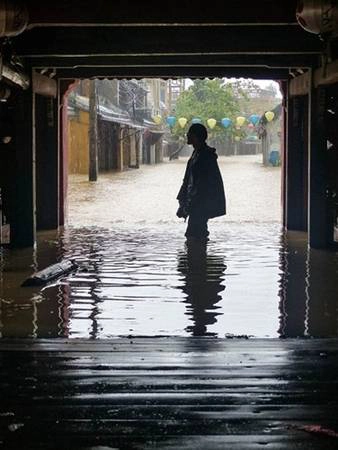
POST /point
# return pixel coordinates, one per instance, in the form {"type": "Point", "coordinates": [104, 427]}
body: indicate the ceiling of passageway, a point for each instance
{"type": "Point", "coordinates": [178, 38]}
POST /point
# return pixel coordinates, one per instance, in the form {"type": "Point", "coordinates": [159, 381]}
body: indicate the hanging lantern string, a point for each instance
{"type": "Point", "coordinates": [226, 122]}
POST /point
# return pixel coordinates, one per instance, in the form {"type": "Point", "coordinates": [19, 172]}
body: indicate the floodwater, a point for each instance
{"type": "Point", "coordinates": [137, 277]}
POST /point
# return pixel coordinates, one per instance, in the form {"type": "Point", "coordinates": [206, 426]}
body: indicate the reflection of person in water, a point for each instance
{"type": "Point", "coordinates": [203, 275]}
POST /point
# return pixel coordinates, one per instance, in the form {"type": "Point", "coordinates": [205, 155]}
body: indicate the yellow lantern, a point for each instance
{"type": "Point", "coordinates": [240, 121]}
{"type": "Point", "coordinates": [237, 138]}
{"type": "Point", "coordinates": [211, 123]}
{"type": "Point", "coordinates": [269, 115]}
{"type": "Point", "coordinates": [157, 119]}
{"type": "Point", "coordinates": [182, 122]}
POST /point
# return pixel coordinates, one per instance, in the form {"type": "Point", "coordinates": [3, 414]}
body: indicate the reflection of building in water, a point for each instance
{"type": "Point", "coordinates": [309, 289]}
{"type": "Point", "coordinates": [293, 292]}
{"type": "Point", "coordinates": [33, 311]}
{"type": "Point", "coordinates": [203, 276]}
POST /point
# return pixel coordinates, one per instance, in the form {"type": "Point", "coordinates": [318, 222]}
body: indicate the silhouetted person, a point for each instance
{"type": "Point", "coordinates": [203, 277]}
{"type": "Point", "coordinates": [201, 196]}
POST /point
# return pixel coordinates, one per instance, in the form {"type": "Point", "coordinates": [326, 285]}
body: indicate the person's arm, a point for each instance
{"type": "Point", "coordinates": [182, 196]}
{"type": "Point", "coordinates": [182, 193]}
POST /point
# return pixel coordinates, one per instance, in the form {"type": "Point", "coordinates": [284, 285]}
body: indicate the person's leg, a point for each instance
{"type": "Point", "coordinates": [197, 226]}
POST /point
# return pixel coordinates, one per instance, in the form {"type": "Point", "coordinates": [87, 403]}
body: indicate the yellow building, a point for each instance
{"type": "Point", "coordinates": [78, 143]}
{"type": "Point", "coordinates": [119, 144]}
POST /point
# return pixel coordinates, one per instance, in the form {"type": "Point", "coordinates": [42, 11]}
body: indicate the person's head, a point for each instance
{"type": "Point", "coordinates": [197, 134]}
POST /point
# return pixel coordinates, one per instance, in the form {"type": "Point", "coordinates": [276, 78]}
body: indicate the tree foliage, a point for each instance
{"type": "Point", "coordinates": [219, 98]}
{"type": "Point", "coordinates": [254, 99]}
{"type": "Point", "coordinates": [207, 99]}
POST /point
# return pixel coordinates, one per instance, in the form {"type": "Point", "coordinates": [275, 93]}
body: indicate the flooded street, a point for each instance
{"type": "Point", "coordinates": [137, 277]}
{"type": "Point", "coordinates": [148, 196]}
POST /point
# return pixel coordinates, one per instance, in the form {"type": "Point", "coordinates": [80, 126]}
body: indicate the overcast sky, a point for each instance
{"type": "Point", "coordinates": [261, 83]}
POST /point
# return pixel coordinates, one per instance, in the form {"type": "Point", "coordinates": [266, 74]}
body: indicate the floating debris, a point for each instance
{"type": "Point", "coordinates": [237, 336]}
{"type": "Point", "coordinates": [50, 273]}
{"type": "Point", "coordinates": [15, 426]}
{"type": "Point", "coordinates": [318, 429]}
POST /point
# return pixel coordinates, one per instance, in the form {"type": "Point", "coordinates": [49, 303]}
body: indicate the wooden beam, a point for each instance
{"type": "Point", "coordinates": [326, 74]}
{"type": "Point", "coordinates": [300, 85]}
{"type": "Point", "coordinates": [172, 72]}
{"type": "Point", "coordinates": [17, 170]}
{"type": "Point", "coordinates": [322, 76]}
{"type": "Point", "coordinates": [296, 164]}
{"type": "Point", "coordinates": [15, 77]}
{"type": "Point", "coordinates": [43, 85]}
{"type": "Point", "coordinates": [47, 162]}
{"type": "Point", "coordinates": [267, 61]}
{"type": "Point", "coordinates": [176, 11]}
{"type": "Point", "coordinates": [216, 40]}
{"type": "Point", "coordinates": [318, 160]}
{"type": "Point", "coordinates": [93, 136]}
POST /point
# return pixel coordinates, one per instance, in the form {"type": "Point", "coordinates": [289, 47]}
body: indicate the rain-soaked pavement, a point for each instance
{"type": "Point", "coordinates": [136, 277]}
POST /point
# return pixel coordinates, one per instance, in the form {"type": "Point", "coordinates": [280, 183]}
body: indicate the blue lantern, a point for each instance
{"type": "Point", "coordinates": [196, 120]}
{"type": "Point", "coordinates": [254, 119]}
{"type": "Point", "coordinates": [226, 122]}
{"type": "Point", "coordinates": [171, 120]}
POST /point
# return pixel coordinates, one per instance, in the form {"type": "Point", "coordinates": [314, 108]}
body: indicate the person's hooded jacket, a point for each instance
{"type": "Point", "coordinates": [202, 189]}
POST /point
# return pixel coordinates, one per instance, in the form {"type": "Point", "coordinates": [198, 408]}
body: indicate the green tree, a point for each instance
{"type": "Point", "coordinates": [254, 99]}
{"type": "Point", "coordinates": [207, 99]}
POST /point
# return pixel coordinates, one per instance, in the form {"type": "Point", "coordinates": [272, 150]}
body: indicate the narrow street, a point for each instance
{"type": "Point", "coordinates": [148, 195]}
